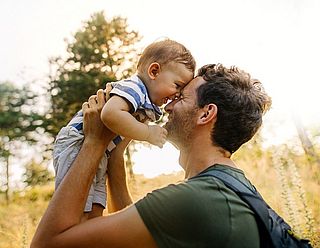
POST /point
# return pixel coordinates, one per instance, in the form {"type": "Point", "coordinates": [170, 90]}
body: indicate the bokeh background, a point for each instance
{"type": "Point", "coordinates": [54, 54]}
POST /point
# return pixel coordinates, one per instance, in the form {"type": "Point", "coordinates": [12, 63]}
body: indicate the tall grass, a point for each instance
{"type": "Point", "coordinates": [288, 181]}
{"type": "Point", "coordinates": [293, 194]}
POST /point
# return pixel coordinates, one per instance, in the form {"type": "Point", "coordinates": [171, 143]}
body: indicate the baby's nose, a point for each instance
{"type": "Point", "coordinates": [177, 95]}
{"type": "Point", "coordinates": [168, 108]}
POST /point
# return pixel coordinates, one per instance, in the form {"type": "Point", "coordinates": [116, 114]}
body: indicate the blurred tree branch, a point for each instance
{"type": "Point", "coordinates": [306, 143]}
{"type": "Point", "coordinates": [18, 122]}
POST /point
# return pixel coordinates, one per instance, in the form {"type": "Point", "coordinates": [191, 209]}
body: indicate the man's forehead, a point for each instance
{"type": "Point", "coordinates": [193, 85]}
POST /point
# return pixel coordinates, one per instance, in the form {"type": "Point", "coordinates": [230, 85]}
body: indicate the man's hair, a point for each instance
{"type": "Point", "coordinates": [241, 103]}
{"type": "Point", "coordinates": [164, 52]}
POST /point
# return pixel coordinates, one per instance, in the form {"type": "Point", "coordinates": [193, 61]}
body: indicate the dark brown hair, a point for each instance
{"type": "Point", "coordinates": [241, 103]}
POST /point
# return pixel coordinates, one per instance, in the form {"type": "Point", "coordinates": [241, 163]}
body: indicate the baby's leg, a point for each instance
{"type": "Point", "coordinates": [97, 211]}
{"type": "Point", "coordinates": [66, 148]}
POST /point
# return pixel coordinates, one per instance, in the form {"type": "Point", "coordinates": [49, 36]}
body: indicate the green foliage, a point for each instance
{"type": "Point", "coordinates": [101, 51]}
{"type": "Point", "coordinates": [18, 119]}
{"type": "Point", "coordinates": [36, 174]}
{"type": "Point", "coordinates": [18, 122]}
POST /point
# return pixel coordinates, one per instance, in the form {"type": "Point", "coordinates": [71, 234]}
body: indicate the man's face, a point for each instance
{"type": "Point", "coordinates": [182, 115]}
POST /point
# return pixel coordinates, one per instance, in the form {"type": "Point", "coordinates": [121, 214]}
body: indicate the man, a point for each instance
{"type": "Point", "coordinates": [217, 112]}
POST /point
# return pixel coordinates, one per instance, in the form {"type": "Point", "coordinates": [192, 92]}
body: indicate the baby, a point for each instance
{"type": "Point", "coordinates": [164, 68]}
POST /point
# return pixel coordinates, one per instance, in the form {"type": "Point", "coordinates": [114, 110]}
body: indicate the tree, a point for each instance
{"type": "Point", "coordinates": [306, 143]}
{"type": "Point", "coordinates": [101, 51]}
{"type": "Point", "coordinates": [18, 122]}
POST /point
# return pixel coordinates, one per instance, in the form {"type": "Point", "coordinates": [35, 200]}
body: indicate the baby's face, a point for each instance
{"type": "Point", "coordinates": [169, 82]}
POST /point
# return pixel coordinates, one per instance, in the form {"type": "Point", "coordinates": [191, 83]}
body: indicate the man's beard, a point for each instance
{"type": "Point", "coordinates": [180, 128]}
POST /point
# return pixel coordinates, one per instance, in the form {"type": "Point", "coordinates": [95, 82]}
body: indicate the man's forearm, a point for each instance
{"type": "Point", "coordinates": [118, 193]}
{"type": "Point", "coordinates": [60, 226]}
{"type": "Point", "coordinates": [66, 207]}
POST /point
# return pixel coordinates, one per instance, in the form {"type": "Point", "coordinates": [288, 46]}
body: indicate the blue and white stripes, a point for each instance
{"type": "Point", "coordinates": [134, 91]}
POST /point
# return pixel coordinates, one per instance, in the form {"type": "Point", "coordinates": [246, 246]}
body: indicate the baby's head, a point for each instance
{"type": "Point", "coordinates": [165, 67]}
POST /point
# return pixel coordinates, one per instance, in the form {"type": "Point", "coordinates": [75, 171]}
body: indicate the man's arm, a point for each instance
{"type": "Point", "coordinates": [118, 193]}
{"type": "Point", "coordinates": [60, 226]}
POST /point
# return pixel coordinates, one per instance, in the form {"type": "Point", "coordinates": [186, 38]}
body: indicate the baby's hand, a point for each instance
{"type": "Point", "coordinates": [157, 135]}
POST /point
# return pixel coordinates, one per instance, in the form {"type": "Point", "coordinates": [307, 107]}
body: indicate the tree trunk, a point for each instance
{"type": "Point", "coordinates": [7, 180]}
{"type": "Point", "coordinates": [129, 163]}
{"type": "Point", "coordinates": [305, 141]}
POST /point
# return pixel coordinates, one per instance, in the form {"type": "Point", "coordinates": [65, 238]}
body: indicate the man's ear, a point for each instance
{"type": "Point", "coordinates": [207, 114]}
{"type": "Point", "coordinates": [154, 70]}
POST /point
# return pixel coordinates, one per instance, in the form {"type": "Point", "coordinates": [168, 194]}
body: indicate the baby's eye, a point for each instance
{"type": "Point", "coordinates": [178, 86]}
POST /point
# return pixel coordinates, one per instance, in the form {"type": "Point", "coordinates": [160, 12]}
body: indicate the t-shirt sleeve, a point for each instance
{"type": "Point", "coordinates": [130, 91]}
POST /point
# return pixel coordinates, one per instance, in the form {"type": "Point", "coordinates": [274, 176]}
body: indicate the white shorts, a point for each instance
{"type": "Point", "coordinates": [66, 148]}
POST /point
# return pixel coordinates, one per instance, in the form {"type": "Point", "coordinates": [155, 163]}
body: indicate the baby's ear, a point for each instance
{"type": "Point", "coordinates": [154, 70]}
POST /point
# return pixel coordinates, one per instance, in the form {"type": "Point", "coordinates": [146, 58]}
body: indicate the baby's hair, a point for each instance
{"type": "Point", "coordinates": [164, 52]}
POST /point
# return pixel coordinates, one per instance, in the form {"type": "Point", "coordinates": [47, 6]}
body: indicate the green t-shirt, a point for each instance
{"type": "Point", "coordinates": [200, 212]}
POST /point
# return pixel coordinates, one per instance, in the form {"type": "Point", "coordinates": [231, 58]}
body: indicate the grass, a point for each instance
{"type": "Point", "coordinates": [18, 219]}
{"type": "Point", "coordinates": [289, 183]}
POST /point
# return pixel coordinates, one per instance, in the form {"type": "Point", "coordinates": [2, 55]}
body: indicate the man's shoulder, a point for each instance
{"type": "Point", "coordinates": [232, 171]}
{"type": "Point", "coordinates": [187, 192]}
{"type": "Point", "coordinates": [204, 202]}
{"type": "Point", "coordinates": [201, 186]}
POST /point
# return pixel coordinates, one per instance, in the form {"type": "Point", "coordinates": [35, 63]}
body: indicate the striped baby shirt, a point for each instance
{"type": "Point", "coordinates": [135, 92]}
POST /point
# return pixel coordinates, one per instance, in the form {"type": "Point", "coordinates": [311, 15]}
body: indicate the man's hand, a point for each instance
{"type": "Point", "coordinates": [157, 135]}
{"type": "Point", "coordinates": [107, 91]}
{"type": "Point", "coordinates": [93, 128]}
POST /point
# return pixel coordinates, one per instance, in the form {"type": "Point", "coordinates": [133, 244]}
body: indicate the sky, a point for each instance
{"type": "Point", "coordinates": [276, 41]}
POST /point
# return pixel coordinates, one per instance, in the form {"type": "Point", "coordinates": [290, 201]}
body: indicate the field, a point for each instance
{"type": "Point", "coordinates": [291, 187]}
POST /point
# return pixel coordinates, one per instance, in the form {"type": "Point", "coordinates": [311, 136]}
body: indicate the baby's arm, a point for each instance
{"type": "Point", "coordinates": [116, 116]}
